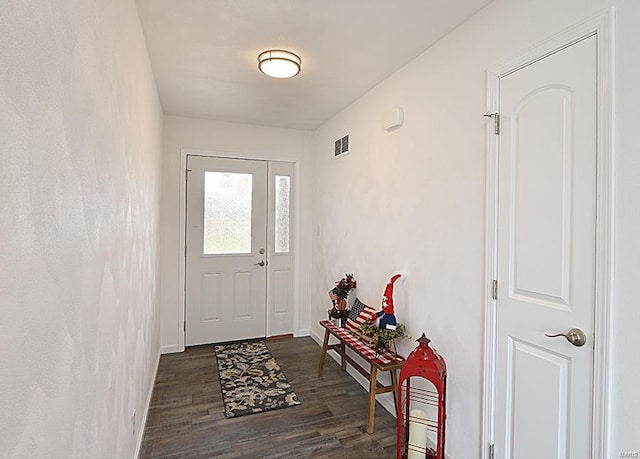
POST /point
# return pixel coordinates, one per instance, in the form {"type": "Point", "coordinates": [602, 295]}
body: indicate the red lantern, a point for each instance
{"type": "Point", "coordinates": [421, 405]}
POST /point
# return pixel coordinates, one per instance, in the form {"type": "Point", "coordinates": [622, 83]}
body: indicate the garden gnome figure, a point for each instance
{"type": "Point", "coordinates": [387, 315]}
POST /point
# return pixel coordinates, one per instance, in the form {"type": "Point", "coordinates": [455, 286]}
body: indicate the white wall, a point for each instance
{"type": "Point", "coordinates": [413, 201]}
{"type": "Point", "coordinates": [80, 150]}
{"type": "Point", "coordinates": [239, 141]}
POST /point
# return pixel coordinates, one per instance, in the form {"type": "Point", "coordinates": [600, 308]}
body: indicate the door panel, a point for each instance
{"type": "Point", "coordinates": [211, 289]}
{"type": "Point", "coordinates": [282, 291]}
{"type": "Point", "coordinates": [548, 439]}
{"type": "Point", "coordinates": [541, 213]}
{"type": "Point", "coordinates": [226, 233]}
{"type": "Point", "coordinates": [546, 256]}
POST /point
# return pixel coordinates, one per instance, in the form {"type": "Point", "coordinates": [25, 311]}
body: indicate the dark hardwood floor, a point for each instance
{"type": "Point", "coordinates": [186, 417]}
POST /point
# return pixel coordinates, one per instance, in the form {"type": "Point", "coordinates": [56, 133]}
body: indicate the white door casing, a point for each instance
{"type": "Point", "coordinates": [225, 269]}
{"type": "Point", "coordinates": [548, 207]}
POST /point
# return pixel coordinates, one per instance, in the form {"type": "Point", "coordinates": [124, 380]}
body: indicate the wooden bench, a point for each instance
{"type": "Point", "coordinates": [379, 361]}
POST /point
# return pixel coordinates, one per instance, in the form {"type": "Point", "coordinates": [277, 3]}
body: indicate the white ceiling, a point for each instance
{"type": "Point", "coordinates": [204, 52]}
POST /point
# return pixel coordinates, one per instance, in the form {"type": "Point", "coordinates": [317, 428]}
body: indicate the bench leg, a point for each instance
{"type": "Point", "coordinates": [373, 380]}
{"type": "Point", "coordinates": [325, 343]}
{"type": "Point", "coordinates": [342, 352]}
{"type": "Point", "coordinates": [394, 384]}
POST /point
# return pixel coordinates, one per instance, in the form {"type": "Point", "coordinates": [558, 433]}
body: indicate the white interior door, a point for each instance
{"type": "Point", "coordinates": [546, 256]}
{"type": "Point", "coordinates": [226, 249]}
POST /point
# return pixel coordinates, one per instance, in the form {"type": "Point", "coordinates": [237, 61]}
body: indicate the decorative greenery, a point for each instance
{"type": "Point", "coordinates": [382, 337]}
{"type": "Point", "coordinates": [344, 285]}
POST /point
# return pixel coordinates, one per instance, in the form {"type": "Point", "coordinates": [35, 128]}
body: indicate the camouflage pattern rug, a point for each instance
{"type": "Point", "coordinates": [251, 379]}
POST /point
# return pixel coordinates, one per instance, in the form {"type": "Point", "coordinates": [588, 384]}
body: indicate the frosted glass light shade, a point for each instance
{"type": "Point", "coordinates": [279, 63]}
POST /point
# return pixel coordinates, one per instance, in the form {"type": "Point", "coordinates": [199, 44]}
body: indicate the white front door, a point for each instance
{"type": "Point", "coordinates": [226, 231]}
{"type": "Point", "coordinates": [546, 256]}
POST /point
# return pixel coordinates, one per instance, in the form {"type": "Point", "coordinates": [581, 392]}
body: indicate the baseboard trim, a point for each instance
{"type": "Point", "coordinates": [317, 338]}
{"type": "Point", "coordinates": [172, 349]}
{"type": "Point", "coordinates": [143, 421]}
{"type": "Point", "coordinates": [299, 333]}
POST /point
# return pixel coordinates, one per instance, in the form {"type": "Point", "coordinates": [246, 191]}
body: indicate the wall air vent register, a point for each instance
{"type": "Point", "coordinates": [341, 146]}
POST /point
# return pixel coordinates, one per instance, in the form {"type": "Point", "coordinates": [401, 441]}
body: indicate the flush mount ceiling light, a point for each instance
{"type": "Point", "coordinates": [279, 63]}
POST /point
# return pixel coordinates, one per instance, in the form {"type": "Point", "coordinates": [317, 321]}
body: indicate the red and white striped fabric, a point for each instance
{"type": "Point", "coordinates": [359, 314]}
{"type": "Point", "coordinates": [379, 357]}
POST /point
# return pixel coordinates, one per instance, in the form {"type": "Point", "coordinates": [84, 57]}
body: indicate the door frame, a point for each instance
{"type": "Point", "coordinates": [184, 152]}
{"type": "Point", "coordinates": [601, 26]}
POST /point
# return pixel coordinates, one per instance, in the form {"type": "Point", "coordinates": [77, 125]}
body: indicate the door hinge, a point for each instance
{"type": "Point", "coordinates": [186, 174]}
{"type": "Point", "coordinates": [495, 289]}
{"type": "Point", "coordinates": [496, 120]}
{"type": "Point", "coordinates": [185, 250]}
{"type": "Point", "coordinates": [184, 326]}
{"type": "Point", "coordinates": [491, 451]}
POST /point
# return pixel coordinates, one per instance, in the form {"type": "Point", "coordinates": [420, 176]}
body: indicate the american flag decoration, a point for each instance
{"type": "Point", "coordinates": [360, 313]}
